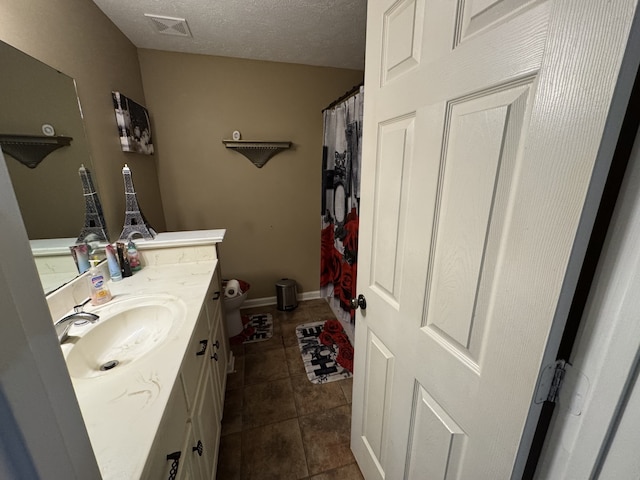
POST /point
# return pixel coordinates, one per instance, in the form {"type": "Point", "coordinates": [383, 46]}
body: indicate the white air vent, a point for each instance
{"type": "Point", "coordinates": [169, 25]}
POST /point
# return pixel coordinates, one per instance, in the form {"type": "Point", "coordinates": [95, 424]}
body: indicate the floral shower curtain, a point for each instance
{"type": "Point", "coordinates": [340, 204]}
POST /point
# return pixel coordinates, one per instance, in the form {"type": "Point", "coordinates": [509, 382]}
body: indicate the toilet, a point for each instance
{"type": "Point", "coordinates": [232, 302]}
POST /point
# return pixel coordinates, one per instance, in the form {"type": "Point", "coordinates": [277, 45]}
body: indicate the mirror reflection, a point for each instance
{"type": "Point", "coordinates": [38, 100]}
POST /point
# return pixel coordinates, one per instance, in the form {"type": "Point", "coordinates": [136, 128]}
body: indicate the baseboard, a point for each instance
{"type": "Point", "coordinates": [265, 301]}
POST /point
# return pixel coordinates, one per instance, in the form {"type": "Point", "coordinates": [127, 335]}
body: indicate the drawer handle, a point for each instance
{"type": "Point", "coordinates": [217, 344]}
{"type": "Point", "coordinates": [175, 458]}
{"type": "Point", "coordinates": [203, 347]}
{"type": "Point", "coordinates": [216, 296]}
{"type": "Point", "coordinates": [214, 357]}
{"type": "Point", "coordinates": [198, 448]}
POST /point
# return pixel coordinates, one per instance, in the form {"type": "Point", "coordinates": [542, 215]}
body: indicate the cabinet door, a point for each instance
{"type": "Point", "coordinates": [190, 465]}
{"type": "Point", "coordinates": [196, 358]}
{"type": "Point", "coordinates": [169, 440]}
{"type": "Point", "coordinates": [219, 359]}
{"type": "Point", "coordinates": [214, 297]}
{"type": "Point", "coordinates": [206, 427]}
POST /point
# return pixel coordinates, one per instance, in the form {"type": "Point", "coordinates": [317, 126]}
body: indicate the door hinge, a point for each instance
{"type": "Point", "coordinates": [550, 382]}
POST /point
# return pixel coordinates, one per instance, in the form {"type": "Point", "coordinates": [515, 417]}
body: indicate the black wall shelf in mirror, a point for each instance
{"type": "Point", "coordinates": [30, 150]}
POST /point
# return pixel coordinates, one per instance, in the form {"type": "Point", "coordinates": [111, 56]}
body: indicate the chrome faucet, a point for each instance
{"type": "Point", "coordinates": [78, 317]}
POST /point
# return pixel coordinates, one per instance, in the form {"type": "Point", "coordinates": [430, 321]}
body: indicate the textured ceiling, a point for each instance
{"type": "Point", "coordinates": [328, 33]}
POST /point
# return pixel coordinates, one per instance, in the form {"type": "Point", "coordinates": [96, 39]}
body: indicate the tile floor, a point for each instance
{"type": "Point", "coordinates": [277, 425]}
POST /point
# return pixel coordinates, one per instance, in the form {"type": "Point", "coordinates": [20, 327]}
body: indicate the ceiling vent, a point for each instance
{"type": "Point", "coordinates": [169, 25]}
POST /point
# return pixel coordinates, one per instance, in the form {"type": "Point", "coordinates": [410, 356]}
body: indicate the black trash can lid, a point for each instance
{"type": "Point", "coordinates": [285, 282]}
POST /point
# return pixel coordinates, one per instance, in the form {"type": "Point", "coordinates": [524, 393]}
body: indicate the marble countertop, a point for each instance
{"type": "Point", "coordinates": [52, 246]}
{"type": "Point", "coordinates": [123, 407]}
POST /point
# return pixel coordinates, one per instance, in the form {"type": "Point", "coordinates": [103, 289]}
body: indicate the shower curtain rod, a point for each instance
{"type": "Point", "coordinates": [344, 97]}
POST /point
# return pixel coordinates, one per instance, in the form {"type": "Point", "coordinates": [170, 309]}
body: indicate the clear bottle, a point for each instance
{"type": "Point", "coordinates": [99, 291]}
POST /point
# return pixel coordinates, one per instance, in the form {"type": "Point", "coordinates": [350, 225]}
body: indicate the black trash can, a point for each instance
{"type": "Point", "coordinates": [286, 294]}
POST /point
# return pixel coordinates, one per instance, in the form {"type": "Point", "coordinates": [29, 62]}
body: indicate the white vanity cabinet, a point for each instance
{"type": "Point", "coordinates": [218, 340]}
{"type": "Point", "coordinates": [187, 441]}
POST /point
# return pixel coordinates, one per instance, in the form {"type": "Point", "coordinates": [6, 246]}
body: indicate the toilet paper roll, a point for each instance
{"type": "Point", "coordinates": [232, 289]}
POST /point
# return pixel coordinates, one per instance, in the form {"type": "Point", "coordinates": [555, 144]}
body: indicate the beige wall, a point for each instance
{"type": "Point", "coordinates": [76, 38]}
{"type": "Point", "coordinates": [272, 214]}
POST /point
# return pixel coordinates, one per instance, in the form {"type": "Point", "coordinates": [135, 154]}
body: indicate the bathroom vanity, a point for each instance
{"type": "Point", "coordinates": [150, 374]}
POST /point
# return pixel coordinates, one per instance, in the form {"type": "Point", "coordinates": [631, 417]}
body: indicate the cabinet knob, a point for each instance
{"type": "Point", "coordinates": [203, 347]}
{"type": "Point", "coordinates": [198, 448]}
{"type": "Point", "coordinates": [214, 357]}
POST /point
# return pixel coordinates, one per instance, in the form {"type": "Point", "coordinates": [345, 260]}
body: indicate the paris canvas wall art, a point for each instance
{"type": "Point", "coordinates": [134, 126]}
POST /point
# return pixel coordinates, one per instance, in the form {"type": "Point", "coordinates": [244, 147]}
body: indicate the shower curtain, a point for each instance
{"type": "Point", "coordinates": [340, 205]}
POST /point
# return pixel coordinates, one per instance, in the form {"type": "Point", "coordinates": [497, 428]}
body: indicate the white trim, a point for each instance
{"type": "Point", "coordinates": [266, 301]}
{"type": "Point", "coordinates": [587, 443]}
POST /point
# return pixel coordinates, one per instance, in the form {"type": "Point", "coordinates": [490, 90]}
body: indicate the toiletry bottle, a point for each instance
{"type": "Point", "coordinates": [112, 261]}
{"type": "Point", "coordinates": [125, 268]}
{"type": "Point", "coordinates": [99, 291]}
{"type": "Point", "coordinates": [134, 257]}
{"type": "Point", "coordinates": [82, 256]}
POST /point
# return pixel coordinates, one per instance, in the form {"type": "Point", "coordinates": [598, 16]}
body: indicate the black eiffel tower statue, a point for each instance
{"type": "Point", "coordinates": [134, 221]}
{"type": "Point", "coordinates": [94, 223]}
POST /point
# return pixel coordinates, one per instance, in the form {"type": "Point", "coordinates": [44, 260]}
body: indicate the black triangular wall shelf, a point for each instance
{"type": "Point", "coordinates": [258, 152]}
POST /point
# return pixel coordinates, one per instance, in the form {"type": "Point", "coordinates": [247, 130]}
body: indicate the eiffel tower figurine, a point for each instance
{"type": "Point", "coordinates": [134, 221]}
{"type": "Point", "coordinates": [94, 223]}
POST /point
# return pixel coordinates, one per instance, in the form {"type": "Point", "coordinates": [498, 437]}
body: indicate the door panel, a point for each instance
{"type": "Point", "coordinates": [477, 15]}
{"type": "Point", "coordinates": [379, 378]}
{"type": "Point", "coordinates": [402, 37]}
{"type": "Point", "coordinates": [479, 148]}
{"type": "Point", "coordinates": [436, 443]}
{"type": "Point", "coordinates": [482, 129]}
{"type": "Point", "coordinates": [394, 167]}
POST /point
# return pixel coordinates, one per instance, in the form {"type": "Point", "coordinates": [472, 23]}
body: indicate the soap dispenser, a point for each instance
{"type": "Point", "coordinates": [99, 291]}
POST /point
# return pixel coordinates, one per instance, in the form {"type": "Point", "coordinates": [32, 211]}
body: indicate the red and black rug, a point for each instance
{"type": "Point", "coordinates": [257, 327]}
{"type": "Point", "coordinates": [326, 351]}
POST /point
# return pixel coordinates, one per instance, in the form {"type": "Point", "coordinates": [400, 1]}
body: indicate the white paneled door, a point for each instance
{"type": "Point", "coordinates": [483, 141]}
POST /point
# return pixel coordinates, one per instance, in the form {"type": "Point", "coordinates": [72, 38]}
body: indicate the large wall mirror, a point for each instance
{"type": "Point", "coordinates": [50, 195]}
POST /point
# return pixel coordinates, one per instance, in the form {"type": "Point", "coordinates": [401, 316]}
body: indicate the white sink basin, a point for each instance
{"type": "Point", "coordinates": [127, 331]}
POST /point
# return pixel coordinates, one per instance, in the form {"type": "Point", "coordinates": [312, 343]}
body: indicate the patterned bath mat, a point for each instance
{"type": "Point", "coordinates": [257, 328]}
{"type": "Point", "coordinates": [326, 351]}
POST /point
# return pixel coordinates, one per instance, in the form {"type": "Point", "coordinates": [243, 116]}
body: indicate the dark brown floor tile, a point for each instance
{"type": "Point", "coordinates": [311, 397]}
{"type": "Point", "coordinates": [238, 350]}
{"type": "Point", "coordinates": [229, 457]}
{"type": "Point", "coordinates": [232, 418]}
{"type": "Point", "coordinates": [273, 451]}
{"type": "Point", "coordinates": [263, 309]}
{"type": "Point", "coordinates": [316, 302]}
{"type": "Point", "coordinates": [265, 366]}
{"type": "Point", "coordinates": [236, 379]}
{"type": "Point", "coordinates": [265, 403]}
{"type": "Point", "coordinates": [233, 400]}
{"type": "Point", "coordinates": [320, 314]}
{"type": "Point", "coordinates": [289, 337]}
{"type": "Point", "coordinates": [347, 388]}
{"type": "Point", "coordinates": [294, 361]}
{"type": "Point", "coordinates": [326, 437]}
{"type": "Point", "coordinates": [299, 315]}
{"type": "Point", "coordinates": [350, 472]}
